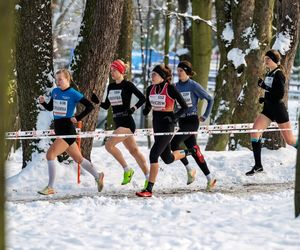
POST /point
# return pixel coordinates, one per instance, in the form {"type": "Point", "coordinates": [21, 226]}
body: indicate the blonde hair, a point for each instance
{"type": "Point", "coordinates": [66, 73]}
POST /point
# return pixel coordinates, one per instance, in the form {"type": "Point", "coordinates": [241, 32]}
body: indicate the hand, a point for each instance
{"type": "Point", "coordinates": [202, 118]}
{"type": "Point", "coordinates": [261, 100]}
{"type": "Point", "coordinates": [41, 99]}
{"type": "Point", "coordinates": [73, 119]}
{"type": "Point", "coordinates": [260, 82]}
{"type": "Point", "coordinates": [130, 111]}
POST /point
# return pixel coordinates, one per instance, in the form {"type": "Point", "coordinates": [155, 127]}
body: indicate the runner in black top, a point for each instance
{"type": "Point", "coordinates": [63, 102]}
{"type": "Point", "coordinates": [119, 97]}
{"type": "Point", "coordinates": [274, 108]}
{"type": "Point", "coordinates": [161, 97]}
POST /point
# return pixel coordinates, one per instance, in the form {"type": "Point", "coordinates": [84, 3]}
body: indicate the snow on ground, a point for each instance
{"type": "Point", "coordinates": [196, 220]}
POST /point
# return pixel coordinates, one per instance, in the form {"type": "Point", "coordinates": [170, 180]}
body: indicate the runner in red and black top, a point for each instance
{"type": "Point", "coordinates": [161, 97]}
{"type": "Point", "coordinates": [119, 95]}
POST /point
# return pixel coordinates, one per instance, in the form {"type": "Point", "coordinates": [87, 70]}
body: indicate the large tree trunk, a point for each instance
{"type": "Point", "coordinates": [6, 27]}
{"type": "Point", "coordinates": [261, 30]}
{"type": "Point", "coordinates": [235, 16]}
{"type": "Point", "coordinates": [167, 33]}
{"type": "Point", "coordinates": [201, 41]}
{"type": "Point", "coordinates": [34, 63]}
{"type": "Point", "coordinates": [288, 23]}
{"type": "Point", "coordinates": [99, 35]}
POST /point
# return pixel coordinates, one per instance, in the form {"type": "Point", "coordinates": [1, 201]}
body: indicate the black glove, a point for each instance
{"type": "Point", "coordinates": [95, 99]}
{"type": "Point", "coordinates": [261, 100]}
{"type": "Point", "coordinates": [130, 111]}
{"type": "Point", "coordinates": [260, 82]}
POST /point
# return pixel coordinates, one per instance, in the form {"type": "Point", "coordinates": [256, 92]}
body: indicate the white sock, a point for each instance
{"type": "Point", "coordinates": [147, 176]}
{"type": "Point", "coordinates": [208, 177]}
{"type": "Point", "coordinates": [51, 172]}
{"type": "Point", "coordinates": [126, 169]}
{"type": "Point", "coordinates": [88, 166]}
{"type": "Point", "coordinates": [188, 167]}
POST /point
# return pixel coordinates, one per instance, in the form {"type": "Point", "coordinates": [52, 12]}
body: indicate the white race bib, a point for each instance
{"type": "Point", "coordinates": [269, 81]}
{"type": "Point", "coordinates": [158, 102]}
{"type": "Point", "coordinates": [60, 107]}
{"type": "Point", "coordinates": [115, 98]}
{"type": "Point", "coordinates": [187, 98]}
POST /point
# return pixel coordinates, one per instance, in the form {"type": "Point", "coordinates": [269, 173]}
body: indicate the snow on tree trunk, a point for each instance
{"type": "Point", "coordinates": [233, 19]}
{"type": "Point", "coordinates": [98, 39]}
{"type": "Point", "coordinates": [34, 65]}
{"type": "Point", "coordinates": [259, 36]}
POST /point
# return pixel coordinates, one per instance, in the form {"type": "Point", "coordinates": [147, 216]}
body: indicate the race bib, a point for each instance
{"type": "Point", "coordinates": [269, 81]}
{"type": "Point", "coordinates": [115, 98]}
{"type": "Point", "coordinates": [187, 98]}
{"type": "Point", "coordinates": [158, 102]}
{"type": "Point", "coordinates": [60, 107]}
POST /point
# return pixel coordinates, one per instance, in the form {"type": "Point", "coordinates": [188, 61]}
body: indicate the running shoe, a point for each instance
{"type": "Point", "coordinates": [254, 170]}
{"type": "Point", "coordinates": [127, 176]}
{"type": "Point", "coordinates": [100, 181]}
{"type": "Point", "coordinates": [47, 191]}
{"type": "Point", "coordinates": [191, 174]}
{"type": "Point", "coordinates": [145, 184]}
{"type": "Point", "coordinates": [144, 193]}
{"type": "Point", "coordinates": [211, 185]}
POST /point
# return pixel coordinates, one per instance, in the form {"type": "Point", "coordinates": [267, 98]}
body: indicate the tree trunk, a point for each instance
{"type": "Point", "coordinates": [288, 24]}
{"type": "Point", "coordinates": [234, 16]}
{"type": "Point", "coordinates": [98, 37]}
{"type": "Point", "coordinates": [167, 34]}
{"type": "Point", "coordinates": [201, 41]}
{"type": "Point", "coordinates": [34, 63]}
{"type": "Point", "coordinates": [6, 24]}
{"type": "Point", "coordinates": [261, 30]}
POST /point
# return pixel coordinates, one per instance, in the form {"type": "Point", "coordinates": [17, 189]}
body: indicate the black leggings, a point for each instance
{"type": "Point", "coordinates": [161, 147]}
{"type": "Point", "coordinates": [189, 123]}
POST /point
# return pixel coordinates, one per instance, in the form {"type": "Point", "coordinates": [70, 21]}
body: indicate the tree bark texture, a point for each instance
{"type": "Point", "coordinates": [34, 63]}
{"type": "Point", "coordinates": [98, 39]}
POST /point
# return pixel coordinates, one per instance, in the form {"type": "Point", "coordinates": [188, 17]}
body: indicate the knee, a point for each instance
{"type": "Point", "coordinates": [109, 146]}
{"type": "Point", "coordinates": [290, 141]}
{"type": "Point", "coordinates": [153, 158]}
{"type": "Point", "coordinates": [50, 156]}
{"type": "Point", "coordinates": [168, 159]}
{"type": "Point", "coordinates": [78, 159]}
{"type": "Point", "coordinates": [174, 146]}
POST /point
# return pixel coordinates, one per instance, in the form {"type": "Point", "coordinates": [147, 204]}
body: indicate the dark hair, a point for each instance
{"type": "Point", "coordinates": [164, 71]}
{"type": "Point", "coordinates": [275, 56]}
{"type": "Point", "coordinates": [187, 67]}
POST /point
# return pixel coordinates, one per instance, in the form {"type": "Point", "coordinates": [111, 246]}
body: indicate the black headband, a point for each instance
{"type": "Point", "coordinates": [157, 69]}
{"type": "Point", "coordinates": [272, 56]}
{"type": "Point", "coordinates": [186, 68]}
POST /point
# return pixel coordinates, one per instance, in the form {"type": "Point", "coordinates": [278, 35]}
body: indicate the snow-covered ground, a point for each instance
{"type": "Point", "coordinates": [243, 213]}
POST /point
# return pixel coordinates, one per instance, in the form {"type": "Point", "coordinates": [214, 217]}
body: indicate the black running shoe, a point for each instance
{"type": "Point", "coordinates": [254, 170]}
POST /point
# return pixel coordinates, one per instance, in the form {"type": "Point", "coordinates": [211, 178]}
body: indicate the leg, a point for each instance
{"type": "Point", "coordinates": [75, 153]}
{"type": "Point", "coordinates": [261, 122]}
{"type": "Point", "coordinates": [288, 134]}
{"type": "Point", "coordinates": [133, 149]}
{"type": "Point", "coordinates": [58, 147]}
{"type": "Point", "coordinates": [175, 145]}
{"type": "Point", "coordinates": [110, 145]}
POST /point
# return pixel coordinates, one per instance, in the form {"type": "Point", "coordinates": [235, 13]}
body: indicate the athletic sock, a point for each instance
{"type": "Point", "coordinates": [51, 172]}
{"type": "Point", "coordinates": [296, 144]}
{"type": "Point", "coordinates": [256, 146]}
{"type": "Point", "coordinates": [88, 166]}
{"type": "Point", "coordinates": [150, 186]}
{"type": "Point", "coordinates": [208, 177]}
{"type": "Point", "coordinates": [126, 169]}
{"type": "Point", "coordinates": [188, 167]}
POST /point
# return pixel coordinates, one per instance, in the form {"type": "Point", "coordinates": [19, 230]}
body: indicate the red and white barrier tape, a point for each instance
{"type": "Point", "coordinates": [210, 129]}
